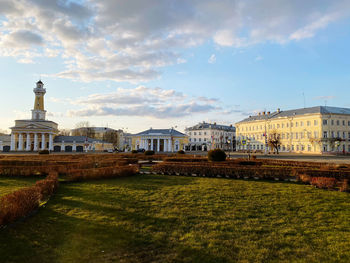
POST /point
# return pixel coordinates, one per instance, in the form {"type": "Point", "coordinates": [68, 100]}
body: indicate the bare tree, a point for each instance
{"type": "Point", "coordinates": [83, 128]}
{"type": "Point", "coordinates": [112, 137]}
{"type": "Point", "coordinates": [274, 141]}
{"type": "Point", "coordinates": [64, 132]}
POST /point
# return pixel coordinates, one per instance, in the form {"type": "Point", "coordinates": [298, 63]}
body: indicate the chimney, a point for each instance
{"type": "Point", "coordinates": [264, 112]}
{"type": "Point", "coordinates": [259, 113]}
{"type": "Point", "coordinates": [268, 113]}
{"type": "Point", "coordinates": [278, 110]}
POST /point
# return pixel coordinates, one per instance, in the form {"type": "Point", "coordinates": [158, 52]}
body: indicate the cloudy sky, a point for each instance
{"type": "Point", "coordinates": [163, 63]}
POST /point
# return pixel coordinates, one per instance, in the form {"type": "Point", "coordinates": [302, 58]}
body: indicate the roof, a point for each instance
{"type": "Point", "coordinates": [77, 139]}
{"type": "Point", "coordinates": [298, 112]}
{"type": "Point", "coordinates": [171, 132]}
{"type": "Point", "coordinates": [204, 125]}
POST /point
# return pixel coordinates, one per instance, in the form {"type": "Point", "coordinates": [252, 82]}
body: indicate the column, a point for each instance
{"type": "Point", "coordinates": [13, 141]}
{"type": "Point", "coordinates": [1, 146]}
{"type": "Point", "coordinates": [158, 145]}
{"type": "Point", "coordinates": [170, 146]}
{"type": "Point", "coordinates": [35, 141]}
{"type": "Point", "coordinates": [43, 142]}
{"type": "Point", "coordinates": [62, 146]}
{"type": "Point", "coordinates": [146, 147]}
{"type": "Point", "coordinates": [20, 142]}
{"type": "Point", "coordinates": [152, 145]}
{"type": "Point", "coordinates": [50, 142]}
{"type": "Point", "coordinates": [165, 143]}
{"type": "Point", "coordinates": [28, 143]}
{"type": "Point", "coordinates": [74, 148]}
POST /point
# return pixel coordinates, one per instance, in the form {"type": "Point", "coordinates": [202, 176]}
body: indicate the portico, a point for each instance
{"type": "Point", "coordinates": [159, 140]}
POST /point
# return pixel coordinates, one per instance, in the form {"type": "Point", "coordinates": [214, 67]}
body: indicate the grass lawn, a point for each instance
{"type": "Point", "coordinates": [10, 184]}
{"type": "Point", "coordinates": [183, 219]}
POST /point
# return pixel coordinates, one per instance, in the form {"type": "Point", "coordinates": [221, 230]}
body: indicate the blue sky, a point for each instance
{"type": "Point", "coordinates": [162, 63]}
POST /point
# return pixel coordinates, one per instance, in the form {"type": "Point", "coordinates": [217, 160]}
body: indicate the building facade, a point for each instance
{"type": "Point", "coordinates": [159, 140]}
{"type": "Point", "coordinates": [206, 136]}
{"type": "Point", "coordinates": [318, 129]}
{"type": "Point", "coordinates": [38, 134]}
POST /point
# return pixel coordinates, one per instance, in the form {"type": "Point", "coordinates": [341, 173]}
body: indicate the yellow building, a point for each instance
{"type": "Point", "coordinates": [160, 140]}
{"type": "Point", "coordinates": [310, 130]}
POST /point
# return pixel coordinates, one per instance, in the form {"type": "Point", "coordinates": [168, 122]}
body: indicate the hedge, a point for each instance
{"type": "Point", "coordinates": [23, 201]}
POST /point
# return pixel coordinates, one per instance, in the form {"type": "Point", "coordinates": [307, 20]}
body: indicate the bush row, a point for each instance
{"type": "Point", "coordinates": [224, 171]}
{"type": "Point", "coordinates": [23, 201]}
{"type": "Point", "coordinates": [102, 173]}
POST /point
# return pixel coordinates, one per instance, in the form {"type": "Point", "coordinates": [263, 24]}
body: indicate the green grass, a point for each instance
{"type": "Point", "coordinates": [10, 184]}
{"type": "Point", "coordinates": [183, 219]}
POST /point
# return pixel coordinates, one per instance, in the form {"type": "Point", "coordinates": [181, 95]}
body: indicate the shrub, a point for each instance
{"type": "Point", "coordinates": [181, 152]}
{"type": "Point", "coordinates": [44, 152]}
{"type": "Point", "coordinates": [18, 204]}
{"type": "Point", "coordinates": [149, 152]}
{"type": "Point", "coordinates": [217, 155]}
{"type": "Point", "coordinates": [102, 173]}
{"type": "Point", "coordinates": [344, 186]}
{"type": "Point", "coordinates": [134, 151]}
{"type": "Point", "coordinates": [304, 178]}
{"type": "Point", "coordinates": [324, 182]}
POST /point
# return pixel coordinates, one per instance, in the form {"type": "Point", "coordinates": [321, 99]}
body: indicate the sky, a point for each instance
{"type": "Point", "coordinates": [138, 64]}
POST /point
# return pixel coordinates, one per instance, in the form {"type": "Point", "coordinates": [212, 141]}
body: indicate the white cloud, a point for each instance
{"type": "Point", "coordinates": [212, 59]}
{"type": "Point", "coordinates": [132, 40]}
{"type": "Point", "coordinates": [145, 102]}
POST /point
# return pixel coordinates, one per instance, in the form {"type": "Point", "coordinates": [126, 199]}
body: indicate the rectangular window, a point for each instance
{"type": "Point", "coordinates": [194, 133]}
{"type": "Point", "coordinates": [348, 123]}
{"type": "Point", "coordinates": [315, 122]}
{"type": "Point", "coordinates": [325, 122]}
{"type": "Point", "coordinates": [302, 147]}
{"type": "Point", "coordinates": [309, 148]}
{"type": "Point", "coordinates": [190, 139]}
{"type": "Point", "coordinates": [344, 137]}
{"type": "Point", "coordinates": [296, 124]}
{"type": "Point", "coordinates": [278, 126]}
{"type": "Point", "coordinates": [332, 134]}
{"type": "Point", "coordinates": [292, 147]}
{"type": "Point", "coordinates": [338, 134]}
{"type": "Point", "coordinates": [325, 134]}
{"type": "Point", "coordinates": [199, 133]}
{"type": "Point", "coordinates": [194, 139]}
{"type": "Point", "coordinates": [308, 123]}
{"type": "Point", "coordinates": [297, 147]}
{"type": "Point", "coordinates": [338, 122]}
{"type": "Point", "coordinates": [296, 135]}
{"type": "Point", "coordinates": [332, 122]}
{"type": "Point", "coordinates": [205, 139]}
{"type": "Point", "coordinates": [343, 123]}
{"type": "Point", "coordinates": [301, 135]}
{"type": "Point", "coordinates": [282, 125]}
{"type": "Point", "coordinates": [316, 134]}
{"type": "Point", "coordinates": [205, 133]}
{"type": "Point", "coordinates": [199, 139]}
{"type": "Point", "coordinates": [288, 125]}
{"type": "Point", "coordinates": [301, 123]}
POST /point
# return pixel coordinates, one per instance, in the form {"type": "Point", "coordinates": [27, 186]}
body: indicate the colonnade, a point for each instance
{"type": "Point", "coordinates": [25, 141]}
{"type": "Point", "coordinates": [155, 144]}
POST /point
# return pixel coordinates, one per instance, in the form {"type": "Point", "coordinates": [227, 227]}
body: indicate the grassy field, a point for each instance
{"type": "Point", "coordinates": [10, 184]}
{"type": "Point", "coordinates": [183, 219]}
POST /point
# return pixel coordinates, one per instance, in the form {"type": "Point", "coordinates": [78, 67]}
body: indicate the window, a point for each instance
{"type": "Point", "coordinates": [194, 139]}
{"type": "Point", "coordinates": [302, 147]}
{"type": "Point", "coordinates": [332, 134]}
{"type": "Point", "coordinates": [287, 125]}
{"type": "Point", "coordinates": [325, 134]}
{"type": "Point", "coordinates": [297, 147]}
{"type": "Point", "coordinates": [194, 133]}
{"type": "Point", "coordinates": [296, 135]}
{"type": "Point", "coordinates": [344, 137]}
{"type": "Point", "coordinates": [308, 123]}
{"type": "Point", "coordinates": [301, 135]}
{"type": "Point", "coordinates": [325, 122]}
{"type": "Point", "coordinates": [190, 139]}
{"type": "Point", "coordinates": [291, 124]}
{"type": "Point", "coordinates": [348, 123]}
{"type": "Point", "coordinates": [199, 133]}
{"type": "Point", "coordinates": [296, 124]}
{"type": "Point", "coordinates": [337, 122]}
{"type": "Point", "coordinates": [291, 135]}
{"type": "Point", "coordinates": [308, 135]}
{"type": "Point", "coordinates": [278, 126]}
{"type": "Point", "coordinates": [287, 135]}
{"type": "Point", "coordinates": [315, 122]}
{"type": "Point", "coordinates": [189, 133]}
{"type": "Point", "coordinates": [205, 133]}
{"type": "Point", "coordinates": [205, 139]}
{"type": "Point", "coordinates": [338, 134]}
{"type": "Point", "coordinates": [292, 147]}
{"type": "Point", "coordinates": [301, 123]}
{"type": "Point", "coordinates": [316, 134]}
{"type": "Point", "coordinates": [309, 148]}
{"type": "Point", "coordinates": [282, 125]}
{"type": "Point", "coordinates": [199, 139]}
{"type": "Point", "coordinates": [343, 123]}
{"type": "Point", "coordinates": [332, 122]}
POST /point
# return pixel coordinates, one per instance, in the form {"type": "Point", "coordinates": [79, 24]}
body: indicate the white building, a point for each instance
{"type": "Point", "coordinates": [207, 136]}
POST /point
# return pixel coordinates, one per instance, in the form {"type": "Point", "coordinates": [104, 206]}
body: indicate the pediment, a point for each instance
{"type": "Point", "coordinates": [32, 126]}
